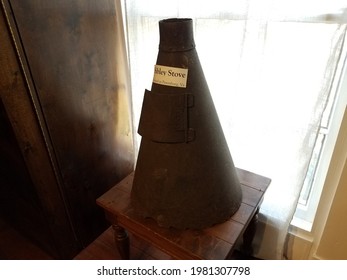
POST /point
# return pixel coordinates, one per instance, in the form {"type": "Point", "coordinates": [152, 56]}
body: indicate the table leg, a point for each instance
{"type": "Point", "coordinates": [248, 236]}
{"type": "Point", "coordinates": [121, 239]}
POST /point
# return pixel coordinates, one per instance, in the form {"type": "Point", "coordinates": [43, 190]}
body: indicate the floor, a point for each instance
{"type": "Point", "coordinates": [14, 246]}
{"type": "Point", "coordinates": [104, 248]}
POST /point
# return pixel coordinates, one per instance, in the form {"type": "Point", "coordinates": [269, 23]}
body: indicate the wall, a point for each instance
{"type": "Point", "coordinates": [330, 228]}
{"type": "Point", "coordinates": [333, 244]}
{"type": "Point", "coordinates": [328, 238]}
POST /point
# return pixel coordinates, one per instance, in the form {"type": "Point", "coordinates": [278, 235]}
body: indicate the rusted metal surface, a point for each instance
{"type": "Point", "coordinates": [165, 117]}
{"type": "Point", "coordinates": [185, 176]}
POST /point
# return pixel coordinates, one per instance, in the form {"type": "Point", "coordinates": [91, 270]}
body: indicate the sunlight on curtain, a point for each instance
{"type": "Point", "coordinates": [269, 67]}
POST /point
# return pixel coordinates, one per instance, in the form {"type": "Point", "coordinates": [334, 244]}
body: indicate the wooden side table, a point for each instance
{"type": "Point", "coordinates": [216, 242]}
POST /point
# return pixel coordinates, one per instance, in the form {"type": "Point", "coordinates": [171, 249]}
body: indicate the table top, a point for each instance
{"type": "Point", "coordinates": [215, 242]}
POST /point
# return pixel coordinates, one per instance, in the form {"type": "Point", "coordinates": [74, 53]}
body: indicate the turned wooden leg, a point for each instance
{"type": "Point", "coordinates": [121, 239]}
{"type": "Point", "coordinates": [248, 236]}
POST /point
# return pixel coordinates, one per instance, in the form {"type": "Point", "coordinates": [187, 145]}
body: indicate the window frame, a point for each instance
{"type": "Point", "coordinates": [305, 214]}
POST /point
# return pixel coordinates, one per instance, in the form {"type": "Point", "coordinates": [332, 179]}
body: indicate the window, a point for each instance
{"type": "Point", "coordinates": [321, 156]}
{"type": "Point", "coordinates": [273, 68]}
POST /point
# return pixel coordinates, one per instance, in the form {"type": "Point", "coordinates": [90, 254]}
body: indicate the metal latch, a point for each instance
{"type": "Point", "coordinates": [165, 117]}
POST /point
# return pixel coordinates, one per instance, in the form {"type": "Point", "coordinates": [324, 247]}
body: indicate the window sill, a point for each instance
{"type": "Point", "coordinates": [301, 224]}
{"type": "Point", "coordinates": [299, 242]}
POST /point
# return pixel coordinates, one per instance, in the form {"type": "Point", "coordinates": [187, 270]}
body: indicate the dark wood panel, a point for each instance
{"type": "Point", "coordinates": [19, 203]}
{"type": "Point", "coordinates": [79, 79]}
{"type": "Point", "coordinates": [228, 231]}
{"type": "Point", "coordinates": [251, 179]}
{"type": "Point", "coordinates": [15, 246]}
{"type": "Point", "coordinates": [251, 195]}
{"type": "Point", "coordinates": [242, 213]}
{"type": "Point", "coordinates": [65, 92]}
{"type": "Point", "coordinates": [15, 97]}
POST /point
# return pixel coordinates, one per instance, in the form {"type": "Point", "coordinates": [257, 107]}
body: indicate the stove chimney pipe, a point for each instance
{"type": "Point", "coordinates": [184, 176]}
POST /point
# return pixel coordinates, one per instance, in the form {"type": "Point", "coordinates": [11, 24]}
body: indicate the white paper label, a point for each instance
{"type": "Point", "coordinates": [170, 76]}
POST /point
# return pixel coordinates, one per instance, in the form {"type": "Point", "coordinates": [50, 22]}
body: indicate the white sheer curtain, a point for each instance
{"type": "Point", "coordinates": [270, 66]}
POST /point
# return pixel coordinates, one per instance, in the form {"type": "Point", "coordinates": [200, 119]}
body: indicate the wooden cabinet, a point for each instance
{"type": "Point", "coordinates": [65, 117]}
